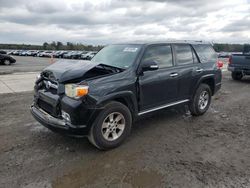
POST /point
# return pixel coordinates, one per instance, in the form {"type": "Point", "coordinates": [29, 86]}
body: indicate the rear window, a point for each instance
{"type": "Point", "coordinates": [205, 52]}
{"type": "Point", "coordinates": [184, 54]}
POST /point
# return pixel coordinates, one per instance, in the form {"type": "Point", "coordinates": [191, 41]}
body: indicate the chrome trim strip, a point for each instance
{"type": "Point", "coordinates": [164, 106]}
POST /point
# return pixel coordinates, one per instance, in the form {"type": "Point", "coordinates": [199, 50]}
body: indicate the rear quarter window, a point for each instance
{"type": "Point", "coordinates": [205, 53]}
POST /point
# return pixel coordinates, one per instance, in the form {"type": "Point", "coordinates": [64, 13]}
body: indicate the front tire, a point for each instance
{"type": "Point", "coordinates": [111, 127]}
{"type": "Point", "coordinates": [237, 75]}
{"type": "Point", "coordinates": [201, 100]}
{"type": "Point", "coordinates": [7, 62]}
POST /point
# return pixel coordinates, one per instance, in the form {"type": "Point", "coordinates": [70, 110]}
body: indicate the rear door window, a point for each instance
{"type": "Point", "coordinates": [184, 54]}
{"type": "Point", "coordinates": [205, 52]}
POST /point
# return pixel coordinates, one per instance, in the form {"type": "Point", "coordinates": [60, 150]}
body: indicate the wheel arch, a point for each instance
{"type": "Point", "coordinates": [127, 98]}
{"type": "Point", "coordinates": [209, 80]}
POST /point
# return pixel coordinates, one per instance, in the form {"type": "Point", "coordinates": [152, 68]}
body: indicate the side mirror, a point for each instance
{"type": "Point", "coordinates": [149, 66]}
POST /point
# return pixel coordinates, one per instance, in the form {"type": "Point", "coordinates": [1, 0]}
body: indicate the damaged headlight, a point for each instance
{"type": "Point", "coordinates": [76, 91]}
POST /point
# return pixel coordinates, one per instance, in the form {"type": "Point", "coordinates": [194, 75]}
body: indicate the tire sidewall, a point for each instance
{"type": "Point", "coordinates": [237, 75]}
{"type": "Point", "coordinates": [194, 104]}
{"type": "Point", "coordinates": [96, 129]}
{"type": "Point", "coordinates": [203, 87]}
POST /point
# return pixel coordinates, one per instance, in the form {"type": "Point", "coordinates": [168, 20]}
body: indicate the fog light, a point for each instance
{"type": "Point", "coordinates": [66, 116]}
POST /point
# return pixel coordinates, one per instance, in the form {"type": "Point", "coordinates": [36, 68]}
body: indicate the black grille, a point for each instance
{"type": "Point", "coordinates": [44, 87]}
{"type": "Point", "coordinates": [45, 106]}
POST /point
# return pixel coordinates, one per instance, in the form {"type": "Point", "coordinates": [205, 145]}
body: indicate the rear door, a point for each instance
{"type": "Point", "coordinates": [158, 87]}
{"type": "Point", "coordinates": [207, 58]}
{"type": "Point", "coordinates": [188, 68]}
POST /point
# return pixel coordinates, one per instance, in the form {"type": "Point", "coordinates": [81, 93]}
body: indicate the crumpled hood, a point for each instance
{"type": "Point", "coordinates": [64, 70]}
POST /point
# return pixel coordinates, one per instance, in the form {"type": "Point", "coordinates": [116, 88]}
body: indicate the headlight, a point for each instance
{"type": "Point", "coordinates": [76, 91]}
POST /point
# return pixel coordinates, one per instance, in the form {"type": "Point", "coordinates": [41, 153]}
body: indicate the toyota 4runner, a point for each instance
{"type": "Point", "coordinates": [102, 97]}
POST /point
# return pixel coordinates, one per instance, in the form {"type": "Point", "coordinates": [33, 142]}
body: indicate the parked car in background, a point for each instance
{"type": "Point", "coordinates": [88, 56]}
{"type": "Point", "coordinates": [3, 52]}
{"type": "Point", "coordinates": [32, 52]}
{"type": "Point", "coordinates": [68, 54]}
{"type": "Point", "coordinates": [6, 59]}
{"type": "Point", "coordinates": [24, 53]}
{"type": "Point", "coordinates": [101, 98]}
{"type": "Point", "coordinates": [239, 64]}
{"type": "Point", "coordinates": [16, 52]}
{"type": "Point", "coordinates": [46, 54]}
{"type": "Point", "coordinates": [10, 52]}
{"type": "Point", "coordinates": [39, 53]}
{"type": "Point", "coordinates": [224, 55]}
{"type": "Point", "coordinates": [77, 55]}
{"type": "Point", "coordinates": [59, 54]}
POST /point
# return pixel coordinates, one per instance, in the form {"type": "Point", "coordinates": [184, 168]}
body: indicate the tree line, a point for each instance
{"type": "Point", "coordinates": [219, 47]}
{"type": "Point", "coordinates": [228, 47]}
{"type": "Point", "coordinates": [52, 46]}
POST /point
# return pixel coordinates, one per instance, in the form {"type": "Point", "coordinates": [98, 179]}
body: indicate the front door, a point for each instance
{"type": "Point", "coordinates": [158, 87]}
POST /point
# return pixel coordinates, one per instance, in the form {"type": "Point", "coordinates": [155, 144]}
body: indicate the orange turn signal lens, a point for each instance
{"type": "Point", "coordinates": [82, 91]}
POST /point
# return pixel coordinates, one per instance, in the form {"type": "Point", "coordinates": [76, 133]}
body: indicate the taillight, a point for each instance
{"type": "Point", "coordinates": [230, 60]}
{"type": "Point", "coordinates": [219, 64]}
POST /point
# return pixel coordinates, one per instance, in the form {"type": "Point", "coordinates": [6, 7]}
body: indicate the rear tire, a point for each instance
{"type": "Point", "coordinates": [237, 75]}
{"type": "Point", "coordinates": [201, 100]}
{"type": "Point", "coordinates": [111, 127]}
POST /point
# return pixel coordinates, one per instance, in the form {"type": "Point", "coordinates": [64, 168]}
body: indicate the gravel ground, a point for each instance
{"type": "Point", "coordinates": [167, 149]}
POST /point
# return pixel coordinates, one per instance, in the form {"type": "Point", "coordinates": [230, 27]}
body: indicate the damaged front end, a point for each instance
{"type": "Point", "coordinates": [61, 101]}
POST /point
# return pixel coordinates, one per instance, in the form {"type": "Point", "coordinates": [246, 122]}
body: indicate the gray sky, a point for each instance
{"type": "Point", "coordinates": [110, 21]}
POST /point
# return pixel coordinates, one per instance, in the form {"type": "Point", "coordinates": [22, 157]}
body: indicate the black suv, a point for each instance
{"type": "Point", "coordinates": [6, 59]}
{"type": "Point", "coordinates": [102, 97]}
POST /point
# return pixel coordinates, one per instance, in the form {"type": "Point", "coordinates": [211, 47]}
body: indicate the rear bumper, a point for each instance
{"type": "Point", "coordinates": [239, 69]}
{"type": "Point", "coordinates": [56, 124]}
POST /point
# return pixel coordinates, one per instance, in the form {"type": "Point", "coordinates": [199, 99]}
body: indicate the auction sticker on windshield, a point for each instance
{"type": "Point", "coordinates": [127, 49]}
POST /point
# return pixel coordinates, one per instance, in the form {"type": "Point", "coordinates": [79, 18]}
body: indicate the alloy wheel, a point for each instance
{"type": "Point", "coordinates": [113, 126]}
{"type": "Point", "coordinates": [203, 100]}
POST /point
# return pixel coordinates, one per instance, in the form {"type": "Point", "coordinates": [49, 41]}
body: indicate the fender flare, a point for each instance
{"type": "Point", "coordinates": [128, 96]}
{"type": "Point", "coordinates": [205, 77]}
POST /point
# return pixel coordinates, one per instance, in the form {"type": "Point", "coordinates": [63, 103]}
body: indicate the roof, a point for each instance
{"type": "Point", "coordinates": [167, 41]}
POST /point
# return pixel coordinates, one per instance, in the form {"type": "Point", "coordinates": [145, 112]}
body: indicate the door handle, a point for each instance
{"type": "Point", "coordinates": [199, 70]}
{"type": "Point", "coordinates": [174, 74]}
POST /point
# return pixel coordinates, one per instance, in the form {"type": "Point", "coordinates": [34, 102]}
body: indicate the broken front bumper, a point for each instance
{"type": "Point", "coordinates": [57, 124]}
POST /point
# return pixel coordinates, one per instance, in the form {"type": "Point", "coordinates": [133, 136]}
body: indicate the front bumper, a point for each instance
{"type": "Point", "coordinates": [56, 124]}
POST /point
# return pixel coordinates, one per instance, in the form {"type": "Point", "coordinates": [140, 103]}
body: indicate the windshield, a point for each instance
{"type": "Point", "coordinates": [119, 55]}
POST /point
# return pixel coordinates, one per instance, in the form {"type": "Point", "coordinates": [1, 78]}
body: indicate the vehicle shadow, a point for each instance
{"type": "Point", "coordinates": [160, 116]}
{"type": "Point", "coordinates": [141, 125]}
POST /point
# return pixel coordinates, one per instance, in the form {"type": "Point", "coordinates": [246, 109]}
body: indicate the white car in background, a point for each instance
{"type": "Point", "coordinates": [88, 56]}
{"type": "Point", "coordinates": [46, 54]}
